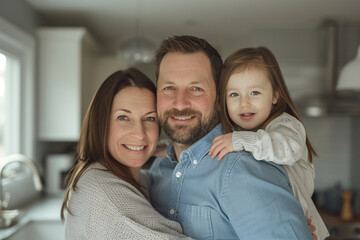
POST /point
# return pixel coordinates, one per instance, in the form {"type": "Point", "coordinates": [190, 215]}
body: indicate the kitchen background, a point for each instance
{"type": "Point", "coordinates": [77, 48]}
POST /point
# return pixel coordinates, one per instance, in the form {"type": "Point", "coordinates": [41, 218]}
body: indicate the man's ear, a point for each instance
{"type": "Point", "coordinates": [276, 97]}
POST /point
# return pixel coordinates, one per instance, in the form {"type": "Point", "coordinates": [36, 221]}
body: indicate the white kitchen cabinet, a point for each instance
{"type": "Point", "coordinates": [67, 61]}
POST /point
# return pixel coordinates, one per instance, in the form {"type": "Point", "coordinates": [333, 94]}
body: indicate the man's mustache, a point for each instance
{"type": "Point", "coordinates": [182, 113]}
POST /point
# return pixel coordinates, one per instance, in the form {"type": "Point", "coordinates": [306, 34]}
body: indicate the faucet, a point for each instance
{"type": "Point", "coordinates": [22, 159]}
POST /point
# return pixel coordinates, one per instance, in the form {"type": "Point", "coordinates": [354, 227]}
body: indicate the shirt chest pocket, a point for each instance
{"type": "Point", "coordinates": [196, 221]}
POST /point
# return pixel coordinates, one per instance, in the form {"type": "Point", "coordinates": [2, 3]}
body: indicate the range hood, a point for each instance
{"type": "Point", "coordinates": [331, 102]}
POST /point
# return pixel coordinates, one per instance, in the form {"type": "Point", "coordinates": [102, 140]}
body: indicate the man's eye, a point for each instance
{"type": "Point", "coordinates": [168, 88]}
{"type": "Point", "coordinates": [233, 94]}
{"type": "Point", "coordinates": [122, 118]}
{"type": "Point", "coordinates": [255, 93]}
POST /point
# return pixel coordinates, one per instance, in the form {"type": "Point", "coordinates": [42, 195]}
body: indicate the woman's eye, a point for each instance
{"type": "Point", "coordinates": [197, 89]}
{"type": "Point", "coordinates": [233, 94]}
{"type": "Point", "coordinates": [150, 119]}
{"type": "Point", "coordinates": [255, 93]}
{"type": "Point", "coordinates": [122, 118]}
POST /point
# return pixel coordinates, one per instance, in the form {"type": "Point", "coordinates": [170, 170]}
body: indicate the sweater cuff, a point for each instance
{"type": "Point", "coordinates": [245, 140]}
{"type": "Point", "coordinates": [237, 141]}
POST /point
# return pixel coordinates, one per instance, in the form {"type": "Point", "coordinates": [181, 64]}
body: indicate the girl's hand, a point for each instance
{"type": "Point", "coordinates": [221, 146]}
{"type": "Point", "coordinates": [312, 228]}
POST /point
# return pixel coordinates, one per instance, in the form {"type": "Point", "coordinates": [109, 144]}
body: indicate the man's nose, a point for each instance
{"type": "Point", "coordinates": [181, 100]}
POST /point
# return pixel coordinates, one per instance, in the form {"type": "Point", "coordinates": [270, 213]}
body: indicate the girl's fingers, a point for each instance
{"type": "Point", "coordinates": [314, 237]}
{"type": "Point", "coordinates": [212, 148]}
{"type": "Point", "coordinates": [222, 154]}
{"type": "Point", "coordinates": [215, 148]}
{"type": "Point", "coordinates": [216, 151]}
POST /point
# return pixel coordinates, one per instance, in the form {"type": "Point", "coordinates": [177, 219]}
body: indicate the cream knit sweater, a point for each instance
{"type": "Point", "coordinates": [105, 207]}
{"type": "Point", "coordinates": [284, 142]}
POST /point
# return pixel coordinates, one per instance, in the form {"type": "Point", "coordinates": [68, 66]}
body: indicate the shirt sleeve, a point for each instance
{"type": "Point", "coordinates": [283, 141]}
{"type": "Point", "coordinates": [268, 209]}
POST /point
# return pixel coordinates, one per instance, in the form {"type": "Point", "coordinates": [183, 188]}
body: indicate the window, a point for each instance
{"type": "Point", "coordinates": [9, 105]}
{"type": "Point", "coordinates": [2, 102]}
{"type": "Point", "coordinates": [17, 134]}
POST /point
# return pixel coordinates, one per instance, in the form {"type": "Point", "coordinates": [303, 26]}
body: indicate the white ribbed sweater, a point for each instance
{"type": "Point", "coordinates": [105, 207]}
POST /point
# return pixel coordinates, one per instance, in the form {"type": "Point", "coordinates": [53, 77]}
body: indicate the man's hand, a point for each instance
{"type": "Point", "coordinates": [221, 146]}
{"type": "Point", "coordinates": [312, 228]}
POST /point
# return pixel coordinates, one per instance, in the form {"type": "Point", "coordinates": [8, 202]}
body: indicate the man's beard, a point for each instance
{"type": "Point", "coordinates": [188, 134]}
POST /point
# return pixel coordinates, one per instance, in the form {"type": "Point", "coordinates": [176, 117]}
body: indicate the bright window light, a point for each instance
{"type": "Point", "coordinates": [2, 102]}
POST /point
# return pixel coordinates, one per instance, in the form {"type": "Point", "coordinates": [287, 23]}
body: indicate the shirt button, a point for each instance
{"type": "Point", "coordinates": [195, 162]}
{"type": "Point", "coordinates": [172, 211]}
{"type": "Point", "coordinates": [178, 174]}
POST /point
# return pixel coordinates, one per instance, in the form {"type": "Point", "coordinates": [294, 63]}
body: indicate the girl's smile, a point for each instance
{"type": "Point", "coordinates": [247, 116]}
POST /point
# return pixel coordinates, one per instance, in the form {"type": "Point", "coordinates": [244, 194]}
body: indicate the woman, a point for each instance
{"type": "Point", "coordinates": [106, 197]}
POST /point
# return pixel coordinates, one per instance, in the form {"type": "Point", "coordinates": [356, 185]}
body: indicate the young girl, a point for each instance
{"type": "Point", "coordinates": [259, 116]}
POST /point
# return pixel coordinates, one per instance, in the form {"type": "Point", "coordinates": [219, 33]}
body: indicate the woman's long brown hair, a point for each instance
{"type": "Point", "coordinates": [93, 141]}
{"type": "Point", "coordinates": [262, 59]}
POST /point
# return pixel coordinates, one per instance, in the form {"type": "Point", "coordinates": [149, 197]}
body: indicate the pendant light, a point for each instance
{"type": "Point", "coordinates": [349, 78]}
{"type": "Point", "coordinates": [137, 49]}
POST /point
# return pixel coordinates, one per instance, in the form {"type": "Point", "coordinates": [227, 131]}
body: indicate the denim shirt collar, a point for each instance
{"type": "Point", "coordinates": [199, 149]}
{"type": "Point", "coordinates": [170, 153]}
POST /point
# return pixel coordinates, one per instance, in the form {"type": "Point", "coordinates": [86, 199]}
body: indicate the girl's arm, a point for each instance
{"type": "Point", "coordinates": [283, 141]}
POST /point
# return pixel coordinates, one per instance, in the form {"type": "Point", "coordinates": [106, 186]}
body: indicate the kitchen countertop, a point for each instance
{"type": "Point", "coordinates": [334, 219]}
{"type": "Point", "coordinates": [339, 228]}
{"type": "Point", "coordinates": [45, 209]}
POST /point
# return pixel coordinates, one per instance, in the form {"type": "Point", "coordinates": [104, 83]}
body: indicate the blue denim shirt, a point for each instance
{"type": "Point", "coordinates": [237, 198]}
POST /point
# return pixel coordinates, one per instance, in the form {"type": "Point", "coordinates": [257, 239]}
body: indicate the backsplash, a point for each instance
{"type": "Point", "coordinates": [332, 139]}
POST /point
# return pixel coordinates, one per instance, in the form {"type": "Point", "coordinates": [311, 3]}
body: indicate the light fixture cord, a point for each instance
{"type": "Point", "coordinates": [139, 32]}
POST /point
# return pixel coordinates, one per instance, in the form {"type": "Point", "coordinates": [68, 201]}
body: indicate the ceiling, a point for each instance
{"type": "Point", "coordinates": [113, 21]}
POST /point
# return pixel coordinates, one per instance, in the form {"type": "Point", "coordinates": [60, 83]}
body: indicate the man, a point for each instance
{"type": "Point", "coordinates": [237, 198]}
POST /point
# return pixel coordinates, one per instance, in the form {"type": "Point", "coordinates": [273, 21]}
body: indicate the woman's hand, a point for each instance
{"type": "Point", "coordinates": [221, 146]}
{"type": "Point", "coordinates": [312, 228]}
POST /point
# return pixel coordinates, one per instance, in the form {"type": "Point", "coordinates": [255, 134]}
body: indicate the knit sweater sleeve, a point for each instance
{"type": "Point", "coordinates": [283, 141]}
{"type": "Point", "coordinates": [105, 207]}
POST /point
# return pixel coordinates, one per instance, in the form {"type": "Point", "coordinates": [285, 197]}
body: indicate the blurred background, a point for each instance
{"type": "Point", "coordinates": [75, 45]}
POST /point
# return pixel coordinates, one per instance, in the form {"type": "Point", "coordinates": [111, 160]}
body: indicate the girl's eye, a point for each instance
{"type": "Point", "coordinates": [234, 94]}
{"type": "Point", "coordinates": [255, 93]}
{"type": "Point", "coordinates": [122, 118]}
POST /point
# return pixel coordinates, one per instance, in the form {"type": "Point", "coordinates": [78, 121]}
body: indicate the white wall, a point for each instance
{"type": "Point", "coordinates": [20, 14]}
{"type": "Point", "coordinates": [106, 65]}
{"type": "Point", "coordinates": [331, 137]}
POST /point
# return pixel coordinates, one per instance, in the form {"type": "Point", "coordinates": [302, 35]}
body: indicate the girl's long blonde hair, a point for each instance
{"type": "Point", "coordinates": [93, 142]}
{"type": "Point", "coordinates": [260, 58]}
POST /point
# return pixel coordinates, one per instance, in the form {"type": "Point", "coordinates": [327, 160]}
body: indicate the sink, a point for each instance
{"type": "Point", "coordinates": [8, 218]}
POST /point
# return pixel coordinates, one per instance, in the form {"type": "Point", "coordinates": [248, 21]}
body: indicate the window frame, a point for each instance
{"type": "Point", "coordinates": [21, 45]}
